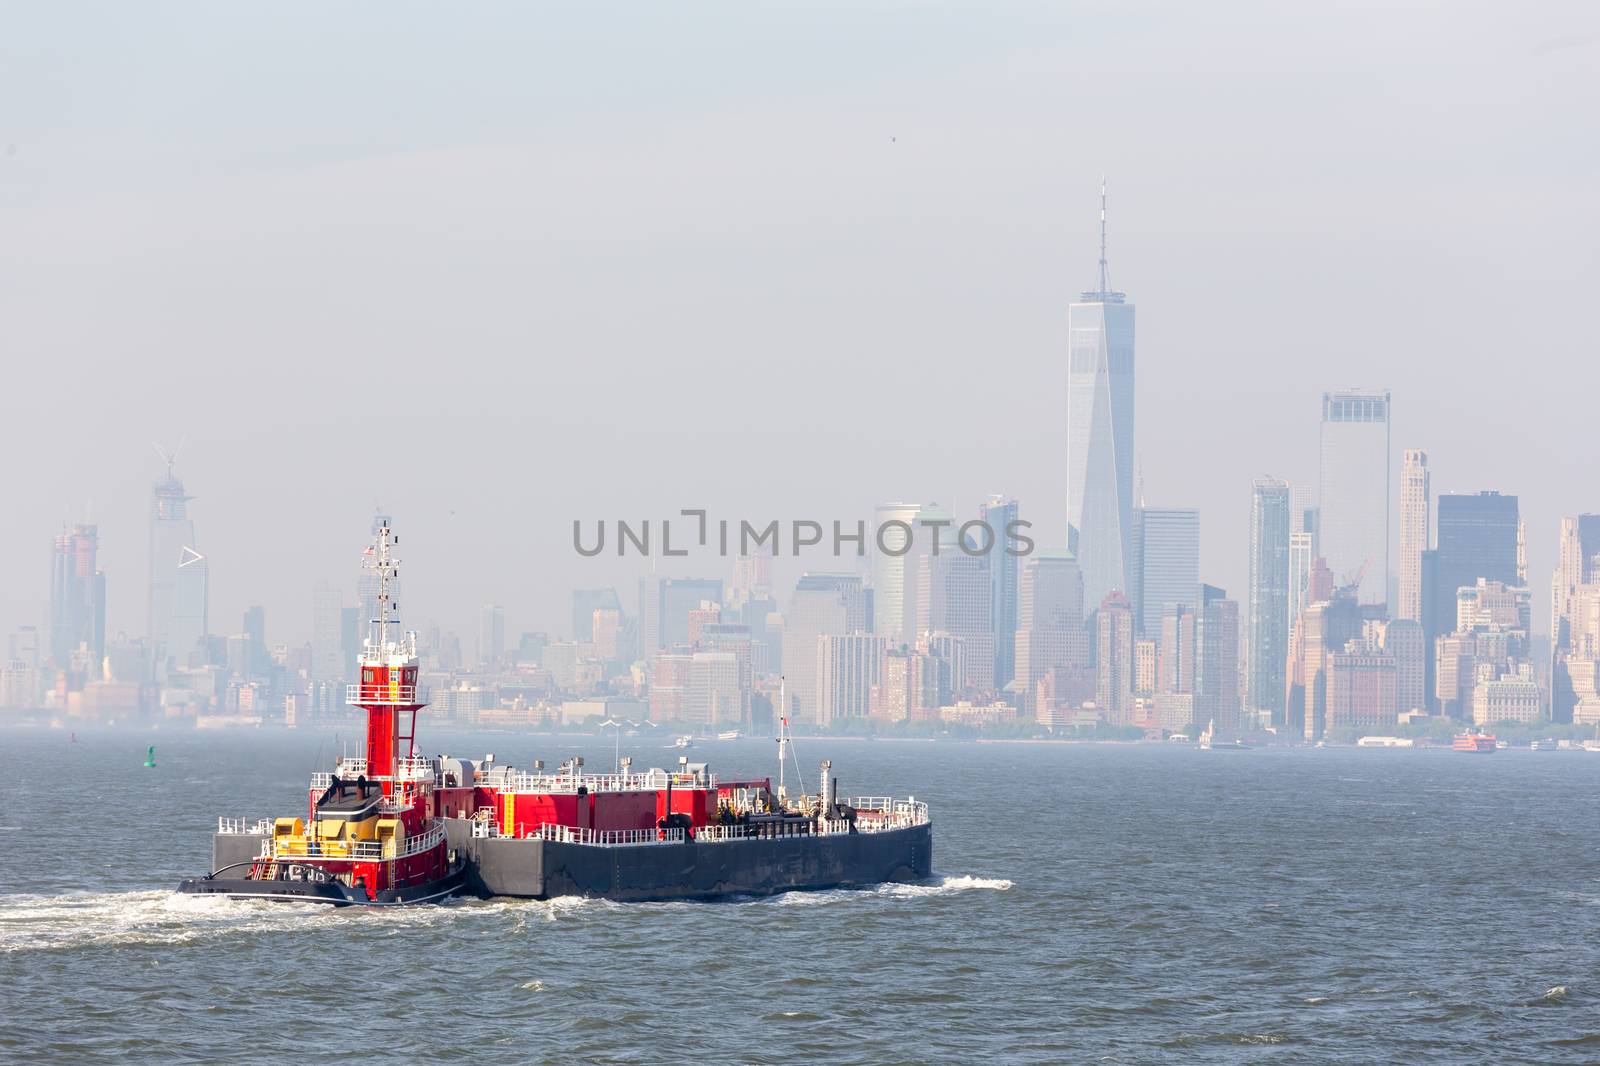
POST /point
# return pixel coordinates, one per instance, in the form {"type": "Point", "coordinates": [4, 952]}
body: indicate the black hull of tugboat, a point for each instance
{"type": "Point", "coordinates": [541, 869]}
{"type": "Point", "coordinates": [327, 893]}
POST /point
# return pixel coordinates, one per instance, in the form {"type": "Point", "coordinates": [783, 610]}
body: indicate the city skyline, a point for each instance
{"type": "Point", "coordinates": [920, 274]}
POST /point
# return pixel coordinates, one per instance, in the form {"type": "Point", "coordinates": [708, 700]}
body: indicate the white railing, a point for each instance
{"type": "Point", "coordinates": [244, 827]}
{"type": "Point", "coordinates": [508, 780]}
{"type": "Point", "coordinates": [384, 695]}
{"type": "Point", "coordinates": [567, 834]}
{"type": "Point", "coordinates": [353, 850]}
{"type": "Point", "coordinates": [716, 834]}
{"type": "Point", "coordinates": [871, 803]}
{"type": "Point", "coordinates": [413, 769]}
{"type": "Point", "coordinates": [901, 815]}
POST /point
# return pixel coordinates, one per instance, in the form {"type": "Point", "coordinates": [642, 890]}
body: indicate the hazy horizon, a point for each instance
{"type": "Point", "coordinates": [518, 267]}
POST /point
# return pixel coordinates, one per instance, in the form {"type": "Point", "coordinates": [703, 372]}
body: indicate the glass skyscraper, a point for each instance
{"type": "Point", "coordinates": [1477, 539]}
{"type": "Point", "coordinates": [77, 598]}
{"type": "Point", "coordinates": [893, 575]}
{"type": "Point", "coordinates": [179, 582]}
{"type": "Point", "coordinates": [1100, 434]}
{"type": "Point", "coordinates": [998, 512]}
{"type": "Point", "coordinates": [1353, 490]}
{"type": "Point", "coordinates": [1166, 564]}
{"type": "Point", "coordinates": [1267, 639]}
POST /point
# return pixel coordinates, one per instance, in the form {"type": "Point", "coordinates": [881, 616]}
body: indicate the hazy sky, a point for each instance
{"type": "Point", "coordinates": [497, 267]}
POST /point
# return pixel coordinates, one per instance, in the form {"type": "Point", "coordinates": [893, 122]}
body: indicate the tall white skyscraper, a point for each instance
{"type": "Point", "coordinates": [1353, 490]}
{"type": "Point", "coordinates": [179, 580]}
{"type": "Point", "coordinates": [894, 571]}
{"type": "Point", "coordinates": [1414, 500]}
{"type": "Point", "coordinates": [1100, 433]}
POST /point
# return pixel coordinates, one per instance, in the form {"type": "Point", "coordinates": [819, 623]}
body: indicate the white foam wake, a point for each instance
{"type": "Point", "coordinates": [943, 885]}
{"type": "Point", "coordinates": [43, 923]}
{"type": "Point", "coordinates": [938, 885]}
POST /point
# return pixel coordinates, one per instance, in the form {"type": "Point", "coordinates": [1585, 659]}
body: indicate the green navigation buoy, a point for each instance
{"type": "Point", "coordinates": [150, 757]}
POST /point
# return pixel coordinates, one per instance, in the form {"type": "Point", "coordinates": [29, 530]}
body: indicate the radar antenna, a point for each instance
{"type": "Point", "coordinates": [380, 559]}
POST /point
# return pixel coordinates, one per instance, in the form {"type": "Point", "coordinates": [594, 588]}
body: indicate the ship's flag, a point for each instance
{"type": "Point", "coordinates": [367, 550]}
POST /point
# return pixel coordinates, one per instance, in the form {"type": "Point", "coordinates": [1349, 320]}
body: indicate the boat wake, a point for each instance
{"type": "Point", "coordinates": [938, 885]}
{"type": "Point", "coordinates": [159, 918]}
{"type": "Point", "coordinates": [64, 922]}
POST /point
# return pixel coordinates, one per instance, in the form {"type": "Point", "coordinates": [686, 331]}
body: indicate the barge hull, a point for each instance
{"type": "Point", "coordinates": [540, 869]}
{"type": "Point", "coordinates": [690, 871]}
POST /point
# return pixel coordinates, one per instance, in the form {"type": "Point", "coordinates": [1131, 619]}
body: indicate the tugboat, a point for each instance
{"type": "Point", "coordinates": [369, 837]}
{"type": "Point", "coordinates": [394, 828]}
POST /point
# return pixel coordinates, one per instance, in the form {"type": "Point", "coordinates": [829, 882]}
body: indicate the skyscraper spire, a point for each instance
{"type": "Point", "coordinates": [1105, 285]}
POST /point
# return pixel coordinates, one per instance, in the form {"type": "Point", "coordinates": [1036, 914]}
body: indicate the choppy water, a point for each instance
{"type": "Point", "coordinates": [1111, 904]}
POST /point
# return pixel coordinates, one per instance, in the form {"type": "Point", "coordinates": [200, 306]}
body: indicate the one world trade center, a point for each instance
{"type": "Point", "coordinates": [1100, 434]}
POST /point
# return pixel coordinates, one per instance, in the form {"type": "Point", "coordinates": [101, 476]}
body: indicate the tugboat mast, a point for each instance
{"type": "Point", "coordinates": [387, 690]}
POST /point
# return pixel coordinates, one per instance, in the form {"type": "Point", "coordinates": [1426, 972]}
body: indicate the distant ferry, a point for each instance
{"type": "Point", "coordinates": [1481, 743]}
{"type": "Point", "coordinates": [683, 742]}
{"type": "Point", "coordinates": [1209, 741]}
{"type": "Point", "coordinates": [731, 734]}
{"type": "Point", "coordinates": [1385, 742]}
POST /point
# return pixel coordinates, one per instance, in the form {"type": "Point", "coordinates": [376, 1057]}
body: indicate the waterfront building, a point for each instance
{"type": "Point", "coordinates": [1404, 641]}
{"type": "Point", "coordinates": [716, 695]}
{"type": "Point", "coordinates": [1361, 685]}
{"type": "Point", "coordinates": [849, 667]}
{"type": "Point", "coordinates": [1510, 697]}
{"type": "Point", "coordinates": [1216, 642]}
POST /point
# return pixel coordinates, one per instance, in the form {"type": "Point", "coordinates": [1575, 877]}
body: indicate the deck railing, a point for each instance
{"type": "Point", "coordinates": [413, 769]}
{"type": "Point", "coordinates": [244, 827]}
{"type": "Point", "coordinates": [352, 850]}
{"type": "Point", "coordinates": [521, 781]}
{"type": "Point", "coordinates": [566, 834]}
{"type": "Point", "coordinates": [384, 695]}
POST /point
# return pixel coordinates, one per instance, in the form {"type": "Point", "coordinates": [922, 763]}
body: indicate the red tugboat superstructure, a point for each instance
{"type": "Point", "coordinates": [370, 835]}
{"type": "Point", "coordinates": [395, 828]}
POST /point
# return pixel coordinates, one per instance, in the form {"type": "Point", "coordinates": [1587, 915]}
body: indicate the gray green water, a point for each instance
{"type": "Point", "coordinates": [1109, 904]}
